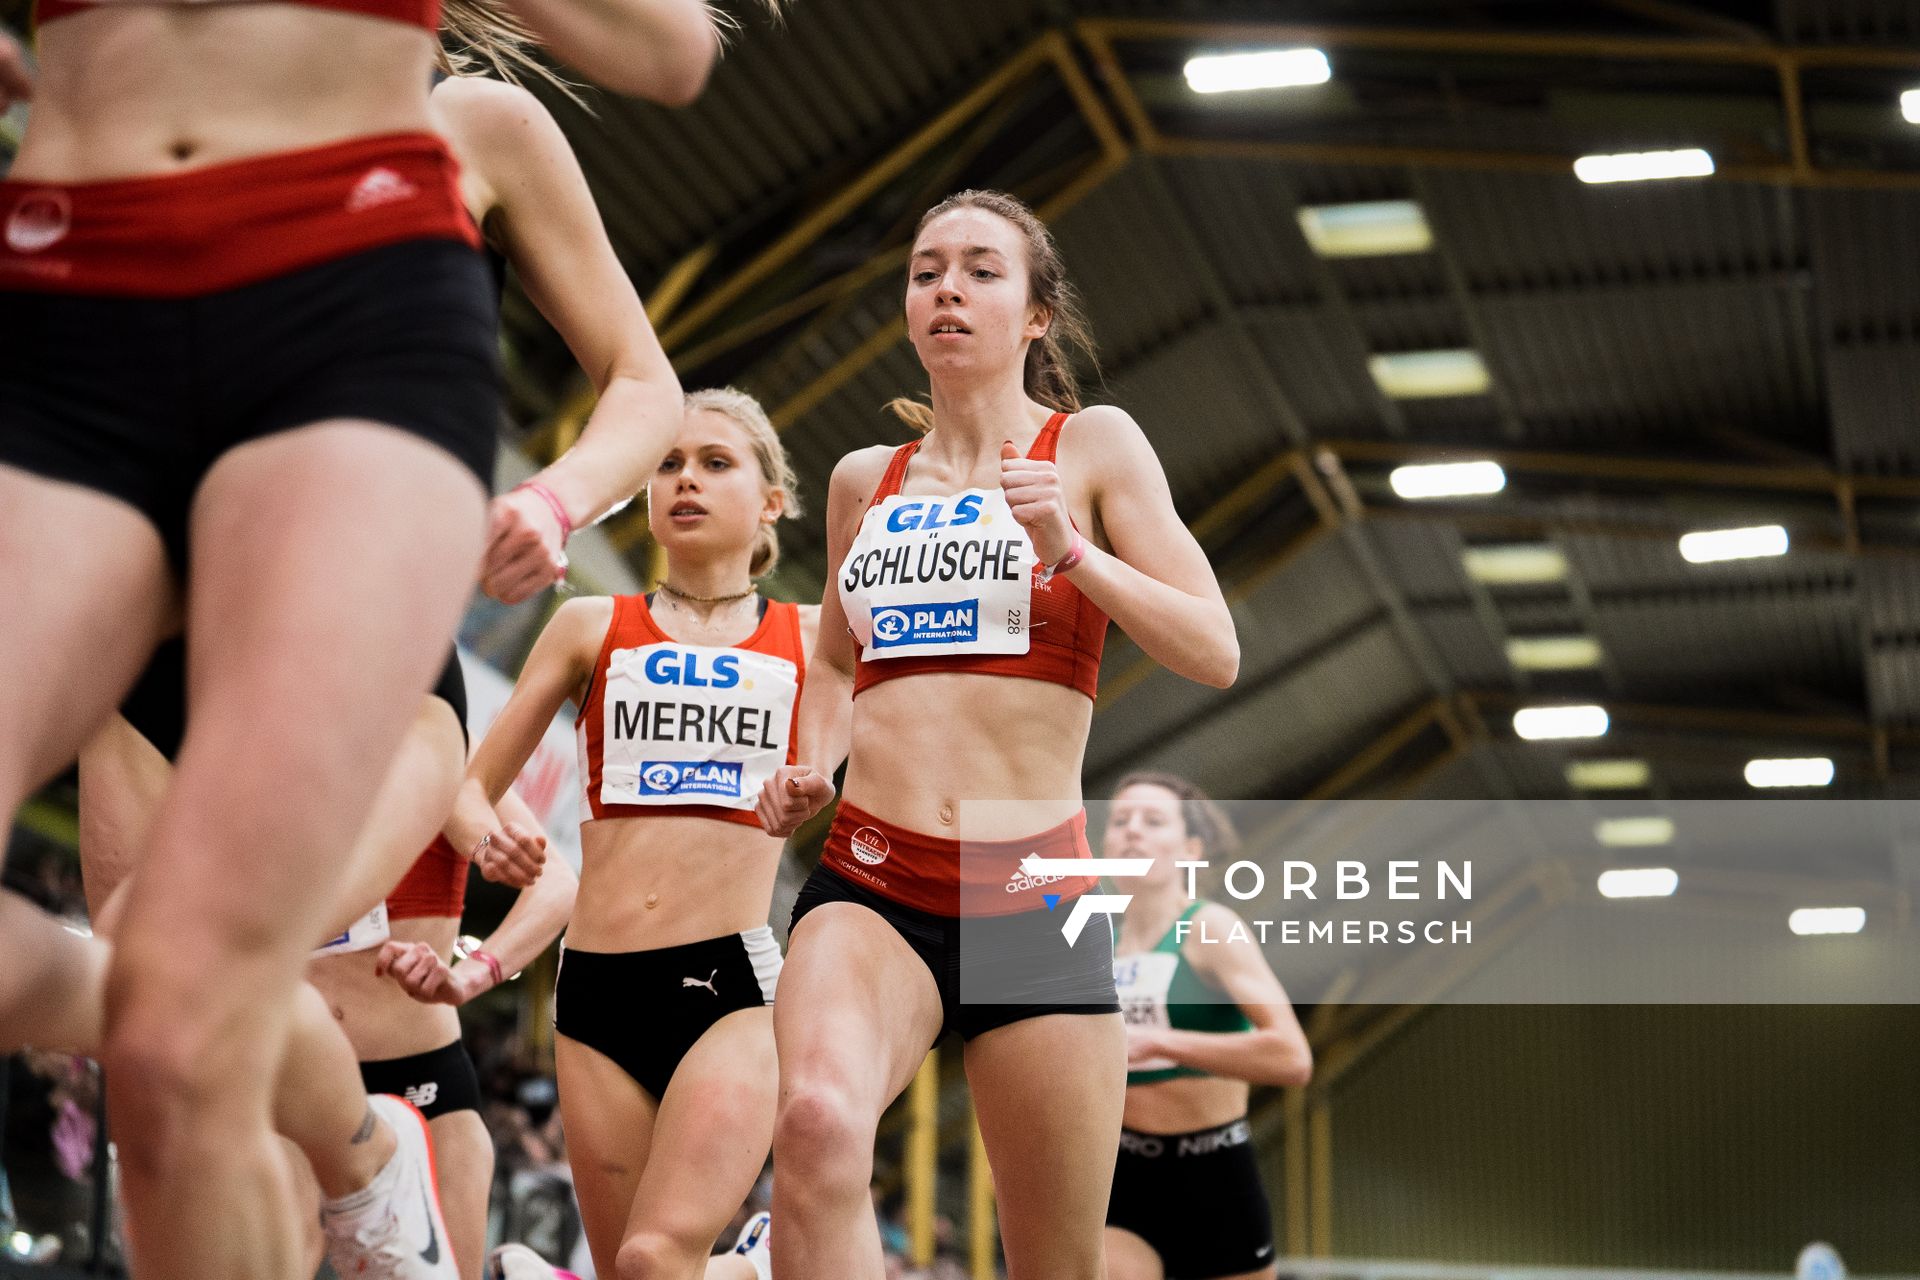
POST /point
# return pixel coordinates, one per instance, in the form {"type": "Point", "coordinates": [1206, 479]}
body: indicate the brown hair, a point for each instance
{"type": "Point", "coordinates": [776, 470]}
{"type": "Point", "coordinates": [481, 38]}
{"type": "Point", "coordinates": [1048, 377]}
{"type": "Point", "coordinates": [1205, 820]}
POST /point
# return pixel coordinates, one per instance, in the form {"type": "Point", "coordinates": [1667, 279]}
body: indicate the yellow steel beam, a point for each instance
{"type": "Point", "coordinates": [1377, 752]}
{"type": "Point", "coordinates": [1320, 1146]}
{"type": "Point", "coordinates": [50, 821]}
{"type": "Point", "coordinates": [923, 1145]}
{"type": "Point", "coordinates": [1462, 158]}
{"type": "Point", "coordinates": [1794, 109]}
{"type": "Point", "coordinates": [876, 176]}
{"type": "Point", "coordinates": [1501, 43]}
{"type": "Point", "coordinates": [839, 373]}
{"type": "Point", "coordinates": [678, 282]}
{"type": "Point", "coordinates": [1050, 48]}
{"type": "Point", "coordinates": [981, 1235]}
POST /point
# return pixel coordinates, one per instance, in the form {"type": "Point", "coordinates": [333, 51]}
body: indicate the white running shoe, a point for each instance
{"type": "Point", "coordinates": [391, 1229]}
{"type": "Point", "coordinates": [755, 1244]}
{"type": "Point", "coordinates": [517, 1262]}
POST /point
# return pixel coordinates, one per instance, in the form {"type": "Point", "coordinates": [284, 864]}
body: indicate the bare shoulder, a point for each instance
{"type": "Point", "coordinates": [858, 474]}
{"type": "Point", "coordinates": [582, 621]}
{"type": "Point", "coordinates": [481, 103]}
{"type": "Point", "coordinates": [1105, 433]}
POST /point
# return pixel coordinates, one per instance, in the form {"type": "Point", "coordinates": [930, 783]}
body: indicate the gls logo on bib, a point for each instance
{"type": "Point", "coordinates": [678, 667]}
{"type": "Point", "coordinates": [952, 622]}
{"type": "Point", "coordinates": [677, 778]}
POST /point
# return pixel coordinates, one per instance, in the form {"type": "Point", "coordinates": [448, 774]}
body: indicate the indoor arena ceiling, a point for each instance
{"type": "Point", "coordinates": [1658, 357]}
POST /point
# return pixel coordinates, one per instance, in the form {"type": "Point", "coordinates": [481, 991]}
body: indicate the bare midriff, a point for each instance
{"type": "Point", "coordinates": [138, 90]}
{"type": "Point", "coordinates": [1184, 1104]}
{"type": "Point", "coordinates": [381, 1020]}
{"type": "Point", "coordinates": [647, 883]}
{"type": "Point", "coordinates": [969, 756]}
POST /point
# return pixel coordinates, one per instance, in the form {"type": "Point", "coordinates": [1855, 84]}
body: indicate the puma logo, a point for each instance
{"type": "Point", "coordinates": [707, 982]}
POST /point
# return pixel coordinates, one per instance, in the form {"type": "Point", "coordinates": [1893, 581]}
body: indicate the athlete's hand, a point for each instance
{"type": "Point", "coordinates": [1143, 1045]}
{"type": "Point", "coordinates": [511, 856]}
{"type": "Point", "coordinates": [16, 81]}
{"type": "Point", "coordinates": [1039, 504]}
{"type": "Point", "coordinates": [526, 549]}
{"type": "Point", "coordinates": [793, 794]}
{"type": "Point", "coordinates": [423, 975]}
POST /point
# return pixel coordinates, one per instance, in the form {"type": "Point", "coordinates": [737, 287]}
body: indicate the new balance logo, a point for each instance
{"type": "Point", "coordinates": [1087, 905]}
{"type": "Point", "coordinates": [706, 982]}
{"type": "Point", "coordinates": [423, 1095]}
{"type": "Point", "coordinates": [379, 186]}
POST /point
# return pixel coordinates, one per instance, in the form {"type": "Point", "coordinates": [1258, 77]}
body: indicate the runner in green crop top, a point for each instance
{"type": "Point", "coordinates": [1206, 1020]}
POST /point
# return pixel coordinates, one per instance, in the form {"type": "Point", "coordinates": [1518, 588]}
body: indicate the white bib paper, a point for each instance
{"type": "Point", "coordinates": [946, 575]}
{"type": "Point", "coordinates": [694, 724]}
{"type": "Point", "coordinates": [370, 930]}
{"type": "Point", "coordinates": [1143, 982]}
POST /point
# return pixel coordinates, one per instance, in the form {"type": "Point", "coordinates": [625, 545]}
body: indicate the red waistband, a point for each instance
{"type": "Point", "coordinates": [435, 885]}
{"type": "Point", "coordinates": [954, 877]}
{"type": "Point", "coordinates": [221, 226]}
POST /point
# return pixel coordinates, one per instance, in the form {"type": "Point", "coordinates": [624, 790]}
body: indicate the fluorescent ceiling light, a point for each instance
{"type": "Point", "coordinates": [1812, 920]}
{"type": "Point", "coordinates": [1428, 375]}
{"type": "Point", "coordinates": [1634, 833]}
{"type": "Point", "coordinates": [1553, 653]}
{"type": "Point", "coordinates": [1816, 771]}
{"type": "Point", "coordinates": [1537, 723]}
{"type": "Point", "coordinates": [1639, 882]}
{"type": "Point", "coordinates": [1515, 563]}
{"type": "Point", "coordinates": [1910, 106]}
{"type": "Point", "coordinates": [1608, 775]}
{"type": "Point", "coordinates": [1264, 69]}
{"type": "Point", "coordinates": [1448, 479]}
{"type": "Point", "coordinates": [1366, 230]}
{"type": "Point", "coordinates": [1643, 166]}
{"type": "Point", "coordinates": [1709, 545]}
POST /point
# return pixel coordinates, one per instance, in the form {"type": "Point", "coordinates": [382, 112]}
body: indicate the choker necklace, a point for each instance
{"type": "Point", "coordinates": [672, 590]}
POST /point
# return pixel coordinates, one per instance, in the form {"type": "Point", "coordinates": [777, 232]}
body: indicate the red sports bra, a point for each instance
{"type": "Point", "coordinates": [1067, 631]}
{"type": "Point", "coordinates": [676, 729]}
{"type": "Point", "coordinates": [416, 13]}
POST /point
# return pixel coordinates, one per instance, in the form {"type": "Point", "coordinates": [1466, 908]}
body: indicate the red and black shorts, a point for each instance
{"type": "Point", "coordinates": [150, 325]}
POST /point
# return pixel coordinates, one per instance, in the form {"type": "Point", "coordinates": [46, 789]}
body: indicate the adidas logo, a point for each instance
{"type": "Point", "coordinates": [377, 187]}
{"type": "Point", "coordinates": [1020, 880]}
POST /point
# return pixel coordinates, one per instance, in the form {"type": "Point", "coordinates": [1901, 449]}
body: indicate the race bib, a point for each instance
{"type": "Point", "coordinates": [1143, 982]}
{"type": "Point", "coordinates": [694, 724]}
{"type": "Point", "coordinates": [370, 930]}
{"type": "Point", "coordinates": [947, 575]}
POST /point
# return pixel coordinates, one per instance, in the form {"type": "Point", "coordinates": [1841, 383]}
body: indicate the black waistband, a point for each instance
{"type": "Point", "coordinates": [1176, 1146]}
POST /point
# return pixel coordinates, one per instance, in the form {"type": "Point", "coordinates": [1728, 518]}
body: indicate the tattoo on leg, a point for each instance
{"type": "Point", "coordinates": [366, 1128]}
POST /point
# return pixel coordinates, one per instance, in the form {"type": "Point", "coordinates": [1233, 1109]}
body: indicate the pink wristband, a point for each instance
{"type": "Point", "coordinates": [1075, 554]}
{"type": "Point", "coordinates": [559, 512]}
{"type": "Point", "coordinates": [492, 962]}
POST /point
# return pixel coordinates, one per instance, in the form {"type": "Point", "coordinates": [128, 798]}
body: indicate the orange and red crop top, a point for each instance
{"type": "Point", "coordinates": [686, 729]}
{"type": "Point", "coordinates": [415, 13]}
{"type": "Point", "coordinates": [952, 584]}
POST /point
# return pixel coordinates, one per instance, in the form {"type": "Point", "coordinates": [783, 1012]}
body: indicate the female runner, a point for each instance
{"type": "Point", "coordinates": [977, 568]}
{"type": "Point", "coordinates": [247, 366]}
{"type": "Point", "coordinates": [1206, 1018]}
{"type": "Point", "coordinates": [687, 700]}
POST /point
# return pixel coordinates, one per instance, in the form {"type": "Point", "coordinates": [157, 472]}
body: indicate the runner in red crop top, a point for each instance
{"type": "Point", "coordinates": [1067, 629]}
{"type": "Point", "coordinates": [996, 548]}
{"type": "Point", "coordinates": [687, 704]}
{"type": "Point", "coordinates": [337, 486]}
